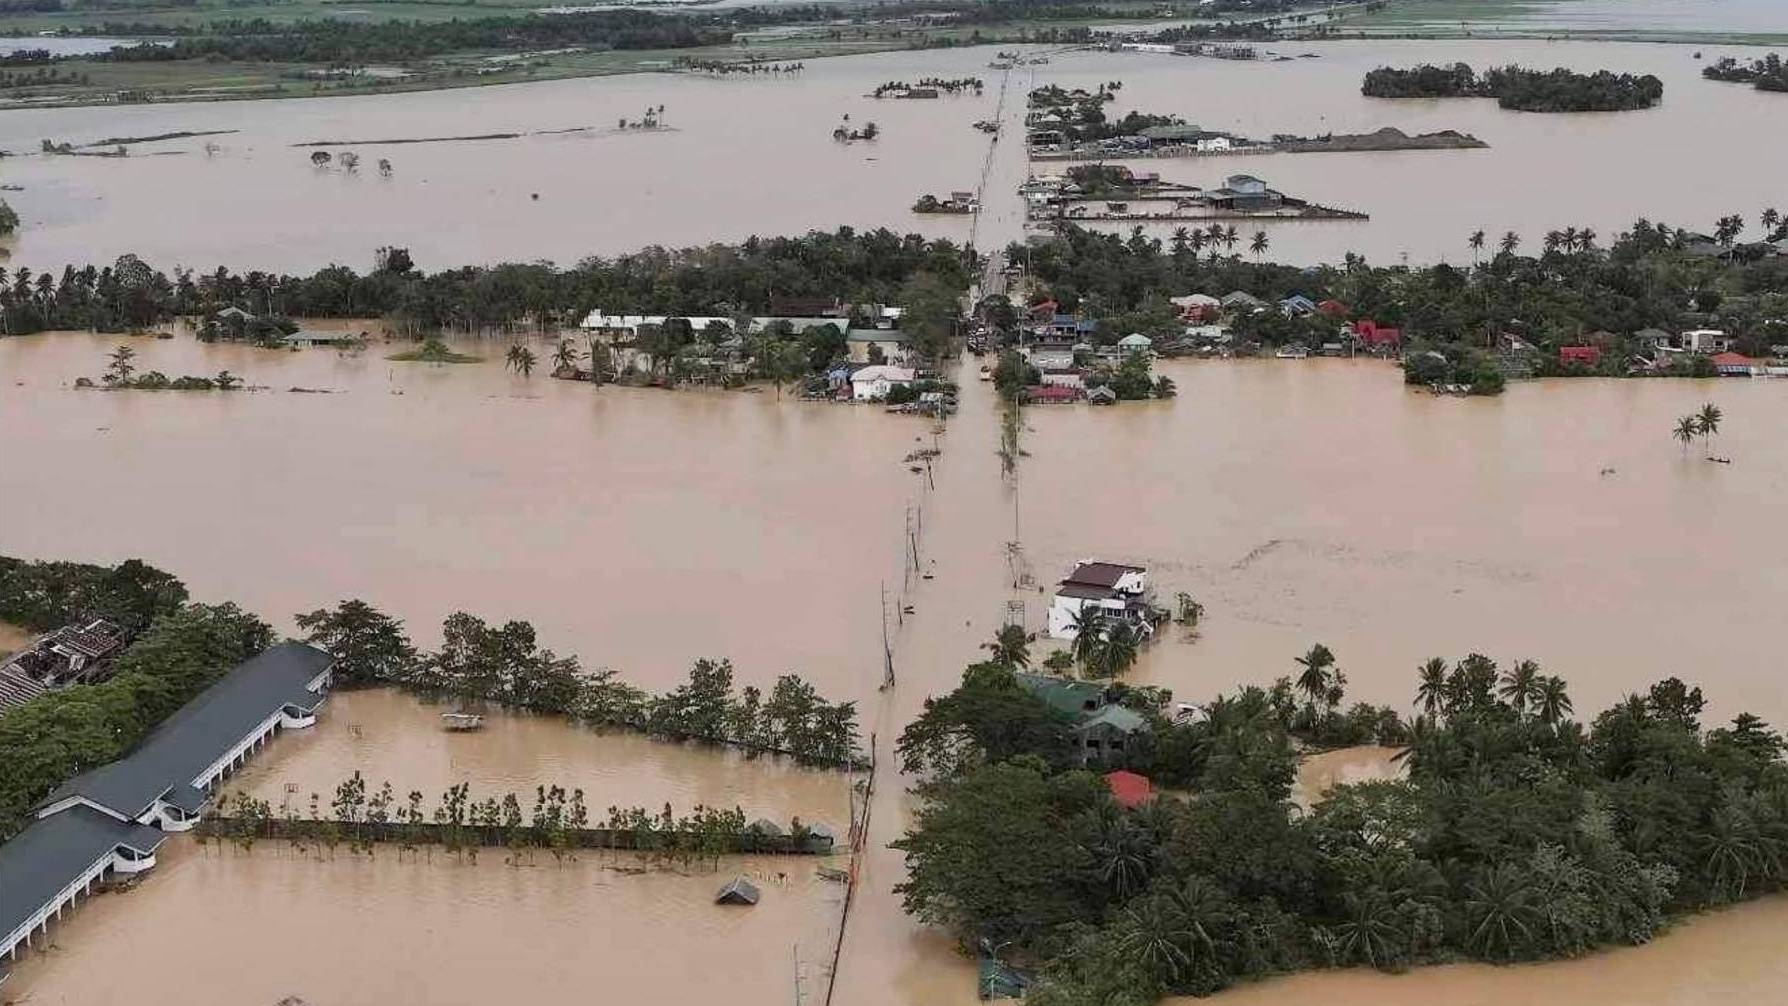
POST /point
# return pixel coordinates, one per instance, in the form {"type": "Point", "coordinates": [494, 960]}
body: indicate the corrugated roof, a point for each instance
{"type": "Point", "coordinates": [1101, 574]}
{"type": "Point", "coordinates": [1064, 694]}
{"type": "Point", "coordinates": [50, 854]}
{"type": "Point", "coordinates": [204, 729]}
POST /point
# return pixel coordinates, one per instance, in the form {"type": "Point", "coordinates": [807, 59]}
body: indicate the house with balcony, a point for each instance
{"type": "Point", "coordinates": [1117, 589]}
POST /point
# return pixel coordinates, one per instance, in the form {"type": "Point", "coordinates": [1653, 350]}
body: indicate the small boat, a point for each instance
{"type": "Point", "coordinates": [1292, 353]}
{"type": "Point", "coordinates": [462, 721]}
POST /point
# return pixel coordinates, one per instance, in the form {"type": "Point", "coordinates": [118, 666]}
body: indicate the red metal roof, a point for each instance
{"type": "Point", "coordinates": [1579, 354]}
{"type": "Point", "coordinates": [1733, 360]}
{"type": "Point", "coordinates": [1129, 789]}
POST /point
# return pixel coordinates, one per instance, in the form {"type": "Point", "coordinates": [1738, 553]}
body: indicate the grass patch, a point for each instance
{"type": "Point", "coordinates": [434, 351]}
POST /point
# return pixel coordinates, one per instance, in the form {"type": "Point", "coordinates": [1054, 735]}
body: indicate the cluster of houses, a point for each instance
{"type": "Point", "coordinates": [1655, 349]}
{"type": "Point", "coordinates": [78, 654]}
{"type": "Point", "coordinates": [1177, 138]}
{"type": "Point", "coordinates": [1053, 340]}
{"type": "Point", "coordinates": [106, 824]}
{"type": "Point", "coordinates": [235, 324]}
{"type": "Point", "coordinates": [872, 338]}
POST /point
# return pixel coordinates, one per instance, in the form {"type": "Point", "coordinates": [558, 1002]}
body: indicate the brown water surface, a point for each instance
{"type": "Point", "coordinates": [756, 156]}
{"type": "Point", "coordinates": [1319, 773]}
{"type": "Point", "coordinates": [217, 927]}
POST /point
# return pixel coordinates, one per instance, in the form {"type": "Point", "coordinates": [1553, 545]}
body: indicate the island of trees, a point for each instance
{"type": "Point", "coordinates": [1766, 74]}
{"type": "Point", "coordinates": [1520, 832]}
{"type": "Point", "coordinates": [1518, 88]}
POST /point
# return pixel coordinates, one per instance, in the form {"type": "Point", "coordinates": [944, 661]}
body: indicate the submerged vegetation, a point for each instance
{"type": "Point", "coordinates": [719, 279]}
{"type": "Point", "coordinates": [1766, 74]}
{"type": "Point", "coordinates": [1519, 834]}
{"type": "Point", "coordinates": [1518, 88]}
{"type": "Point", "coordinates": [433, 351]}
{"type": "Point", "coordinates": [505, 665]}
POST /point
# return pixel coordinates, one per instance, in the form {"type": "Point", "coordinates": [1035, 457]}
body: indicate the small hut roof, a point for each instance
{"type": "Point", "coordinates": [738, 891]}
{"type": "Point", "coordinates": [764, 826]}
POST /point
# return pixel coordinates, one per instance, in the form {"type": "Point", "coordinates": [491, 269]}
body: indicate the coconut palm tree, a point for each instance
{"type": "Point", "coordinates": [1520, 685]}
{"type": "Point", "coordinates": [1118, 652]}
{"type": "Point", "coordinates": [520, 359]}
{"type": "Point", "coordinates": [1089, 633]}
{"type": "Point", "coordinates": [1707, 422]}
{"type": "Point", "coordinates": [1551, 703]}
{"type": "Point", "coordinates": [1371, 934]}
{"type": "Point", "coordinates": [1011, 647]}
{"type": "Point", "coordinates": [1510, 242]}
{"type": "Point", "coordinates": [226, 381]}
{"type": "Point", "coordinates": [1431, 690]}
{"type": "Point", "coordinates": [1476, 242]}
{"type": "Point", "coordinates": [1230, 237]}
{"type": "Point", "coordinates": [1259, 245]}
{"type": "Point", "coordinates": [565, 357]}
{"type": "Point", "coordinates": [1686, 429]}
{"type": "Point", "coordinates": [1769, 219]}
{"type": "Point", "coordinates": [1313, 680]}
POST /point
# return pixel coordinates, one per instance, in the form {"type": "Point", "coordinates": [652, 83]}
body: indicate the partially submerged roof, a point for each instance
{"type": "Point", "coordinates": [764, 826]}
{"type": "Point", "coordinates": [738, 891]}
{"type": "Point", "coordinates": [1120, 718]}
{"type": "Point", "coordinates": [52, 853]}
{"type": "Point", "coordinates": [202, 731]}
{"type": "Point", "coordinates": [1065, 695]}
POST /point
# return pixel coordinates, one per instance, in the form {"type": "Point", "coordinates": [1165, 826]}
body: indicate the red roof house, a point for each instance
{"type": "Point", "coordinates": [1051, 394]}
{"type": "Point", "coordinates": [1735, 365]}
{"type": "Point", "coordinates": [1332, 309]}
{"type": "Point", "coordinates": [1129, 789]}
{"type": "Point", "coordinates": [1373, 335]}
{"type": "Point", "coordinates": [1586, 355]}
{"type": "Point", "coordinates": [1045, 309]}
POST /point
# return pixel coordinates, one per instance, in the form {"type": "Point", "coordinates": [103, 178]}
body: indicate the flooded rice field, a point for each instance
{"type": "Point", "coordinates": [387, 735]}
{"type": "Point", "coordinates": [747, 156]}
{"type": "Point", "coordinates": [213, 926]}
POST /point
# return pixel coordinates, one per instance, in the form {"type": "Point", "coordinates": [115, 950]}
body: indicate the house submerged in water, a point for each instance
{"type": "Point", "coordinates": [1119, 590]}
{"type": "Point", "coordinates": [110, 821]}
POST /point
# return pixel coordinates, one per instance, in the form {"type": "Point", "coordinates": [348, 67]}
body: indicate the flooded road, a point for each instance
{"type": "Point", "coordinates": [217, 927]}
{"type": "Point", "coordinates": [388, 735]}
{"type": "Point", "coordinates": [756, 156]}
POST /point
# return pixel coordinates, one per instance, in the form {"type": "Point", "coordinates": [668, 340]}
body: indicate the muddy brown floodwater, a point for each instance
{"type": "Point", "coordinates": [756, 156]}
{"type": "Point", "coordinates": [387, 735]}
{"type": "Point", "coordinates": [213, 926]}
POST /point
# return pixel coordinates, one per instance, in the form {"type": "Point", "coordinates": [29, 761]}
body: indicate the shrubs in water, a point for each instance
{"type": "Point", "coordinates": [1518, 88]}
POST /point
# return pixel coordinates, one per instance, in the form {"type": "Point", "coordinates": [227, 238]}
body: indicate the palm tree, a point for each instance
{"type": "Point", "coordinates": [520, 359]}
{"type": "Point", "coordinates": [1118, 653]}
{"type": "Point", "coordinates": [1431, 692]}
{"type": "Point", "coordinates": [565, 357]}
{"type": "Point", "coordinates": [1510, 242]}
{"type": "Point", "coordinates": [1230, 237]}
{"type": "Point", "coordinates": [1370, 933]}
{"type": "Point", "coordinates": [1259, 245]}
{"type": "Point", "coordinates": [1570, 239]}
{"type": "Point", "coordinates": [1011, 647]}
{"type": "Point", "coordinates": [1089, 633]}
{"type": "Point", "coordinates": [1313, 680]}
{"type": "Point", "coordinates": [1499, 912]}
{"type": "Point", "coordinates": [1476, 241]}
{"type": "Point", "coordinates": [1520, 685]}
{"type": "Point", "coordinates": [1769, 219]}
{"type": "Point", "coordinates": [1551, 703]}
{"type": "Point", "coordinates": [1686, 429]}
{"type": "Point", "coordinates": [1124, 854]}
{"type": "Point", "coordinates": [1707, 422]}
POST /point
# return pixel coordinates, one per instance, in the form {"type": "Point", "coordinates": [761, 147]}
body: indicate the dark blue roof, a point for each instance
{"type": "Point", "coordinates": [53, 852]}
{"type": "Point", "coordinates": [202, 731]}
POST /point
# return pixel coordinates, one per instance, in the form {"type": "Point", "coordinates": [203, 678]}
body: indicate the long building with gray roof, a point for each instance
{"type": "Point", "coordinates": [111, 820]}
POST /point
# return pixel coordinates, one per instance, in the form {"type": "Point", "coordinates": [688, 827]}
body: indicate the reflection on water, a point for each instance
{"type": "Point", "coordinates": [389, 736]}
{"type": "Point", "coordinates": [756, 156]}
{"type": "Point", "coordinates": [215, 927]}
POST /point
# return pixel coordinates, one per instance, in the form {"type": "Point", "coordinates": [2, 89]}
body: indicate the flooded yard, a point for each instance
{"type": "Point", "coordinates": [388, 735]}
{"type": "Point", "coordinates": [349, 930]}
